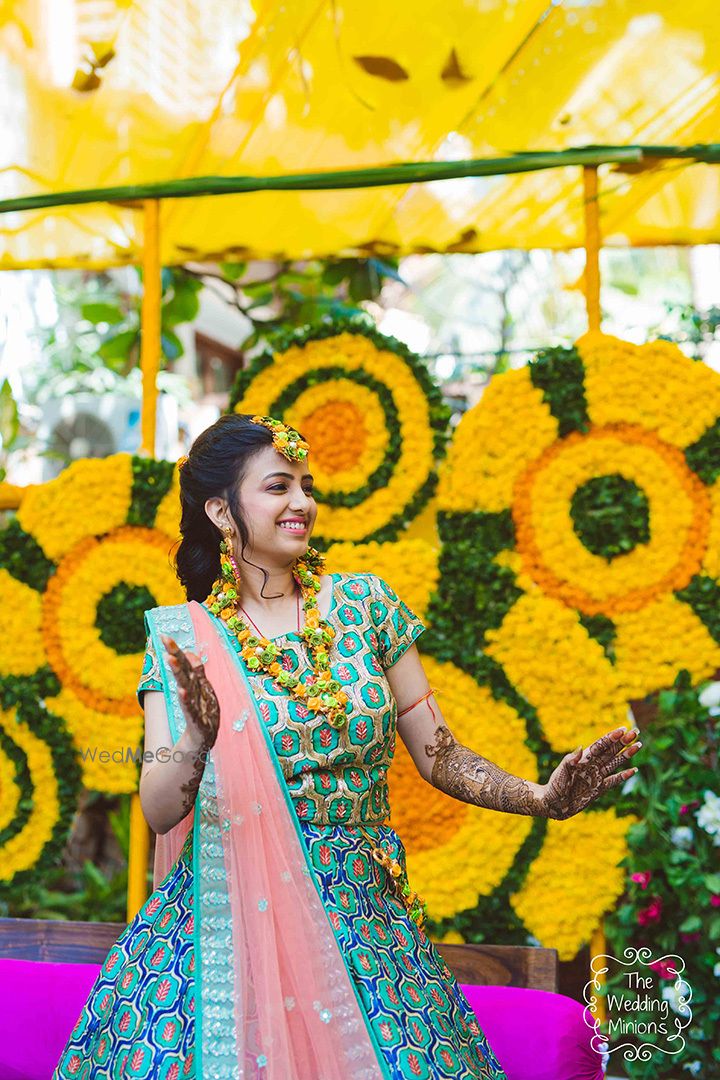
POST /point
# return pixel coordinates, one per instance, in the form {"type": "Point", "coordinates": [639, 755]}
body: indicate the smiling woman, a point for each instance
{"type": "Point", "coordinates": [282, 907]}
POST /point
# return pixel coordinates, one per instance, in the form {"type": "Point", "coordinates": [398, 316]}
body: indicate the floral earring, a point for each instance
{"type": "Point", "coordinates": [227, 560]}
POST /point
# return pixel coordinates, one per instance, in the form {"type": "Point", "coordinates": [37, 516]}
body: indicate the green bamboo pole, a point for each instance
{"type": "Point", "coordinates": [375, 176]}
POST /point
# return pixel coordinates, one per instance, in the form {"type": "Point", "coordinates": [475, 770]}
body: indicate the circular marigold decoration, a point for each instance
{"type": "Point", "coordinates": [601, 566]}
{"type": "Point", "coordinates": [86, 555]}
{"type": "Point", "coordinates": [375, 422]}
{"type": "Point", "coordinates": [39, 781]}
{"type": "Point", "coordinates": [588, 481]}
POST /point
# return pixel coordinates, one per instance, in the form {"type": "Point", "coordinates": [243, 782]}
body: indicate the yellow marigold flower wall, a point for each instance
{"type": "Point", "coordinates": [494, 443]}
{"type": "Point", "coordinates": [22, 851]}
{"type": "Point", "coordinates": [654, 386]}
{"type": "Point", "coordinates": [646, 415]}
{"type": "Point", "coordinates": [92, 502]}
{"type": "Point", "coordinates": [573, 877]}
{"type": "Point", "coordinates": [83, 550]}
{"type": "Point", "coordinates": [373, 419]}
{"type": "Point", "coordinates": [21, 645]}
{"type": "Point", "coordinates": [539, 629]}
{"type": "Point", "coordinates": [592, 697]}
{"type": "Point", "coordinates": [579, 631]}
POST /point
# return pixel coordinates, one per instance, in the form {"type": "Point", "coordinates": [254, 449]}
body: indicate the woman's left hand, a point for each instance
{"type": "Point", "coordinates": [584, 775]}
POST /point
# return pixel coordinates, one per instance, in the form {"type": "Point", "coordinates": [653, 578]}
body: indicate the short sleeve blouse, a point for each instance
{"type": "Point", "coordinates": [151, 676]}
{"type": "Point", "coordinates": [396, 624]}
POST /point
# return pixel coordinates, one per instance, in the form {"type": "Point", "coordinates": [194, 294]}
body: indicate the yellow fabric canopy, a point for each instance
{"type": "Point", "coordinates": [99, 93]}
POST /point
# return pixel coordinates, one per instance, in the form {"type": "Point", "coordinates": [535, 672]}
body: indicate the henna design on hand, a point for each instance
{"type": "Point", "coordinates": [578, 780]}
{"type": "Point", "coordinates": [581, 778]}
{"type": "Point", "coordinates": [196, 693]}
{"type": "Point", "coordinates": [202, 708]}
{"type": "Point", "coordinates": [471, 778]}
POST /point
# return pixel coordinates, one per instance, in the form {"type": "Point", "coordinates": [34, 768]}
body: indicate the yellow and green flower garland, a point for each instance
{"type": "Point", "coordinates": [375, 420]}
{"type": "Point", "coordinates": [84, 557]}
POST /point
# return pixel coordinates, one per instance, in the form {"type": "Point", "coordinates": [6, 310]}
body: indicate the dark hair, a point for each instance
{"type": "Point", "coordinates": [215, 466]}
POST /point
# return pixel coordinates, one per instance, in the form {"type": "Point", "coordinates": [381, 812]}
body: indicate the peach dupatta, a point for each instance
{"type": "Point", "coordinates": [274, 998]}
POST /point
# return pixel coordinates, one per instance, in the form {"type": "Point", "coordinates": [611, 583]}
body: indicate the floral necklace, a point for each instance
{"type": "Point", "coordinates": [321, 692]}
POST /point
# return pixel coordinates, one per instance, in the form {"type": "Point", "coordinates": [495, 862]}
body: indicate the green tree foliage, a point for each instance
{"type": "Point", "coordinates": [95, 342]}
{"type": "Point", "coordinates": [296, 294]}
{"type": "Point", "coordinates": [673, 904]}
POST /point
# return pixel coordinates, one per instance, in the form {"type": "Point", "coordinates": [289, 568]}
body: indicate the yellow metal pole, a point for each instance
{"type": "Point", "coordinates": [592, 302]}
{"type": "Point", "coordinates": [138, 857]}
{"type": "Point", "coordinates": [11, 495]}
{"type": "Point", "coordinates": [598, 947]}
{"type": "Point", "coordinates": [592, 246]}
{"type": "Point", "coordinates": [150, 324]}
{"type": "Point", "coordinates": [150, 365]}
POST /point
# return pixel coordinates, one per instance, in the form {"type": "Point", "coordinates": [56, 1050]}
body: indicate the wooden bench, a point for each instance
{"type": "Point", "coordinates": [90, 942]}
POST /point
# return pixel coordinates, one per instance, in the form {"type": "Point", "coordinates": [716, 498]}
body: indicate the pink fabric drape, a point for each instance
{"type": "Point", "coordinates": [295, 1006]}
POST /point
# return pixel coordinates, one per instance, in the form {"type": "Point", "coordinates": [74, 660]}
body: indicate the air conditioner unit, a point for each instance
{"type": "Point", "coordinates": [97, 425]}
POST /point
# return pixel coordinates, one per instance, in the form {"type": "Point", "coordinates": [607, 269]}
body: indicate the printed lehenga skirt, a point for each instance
{"type": "Point", "coordinates": [139, 1020]}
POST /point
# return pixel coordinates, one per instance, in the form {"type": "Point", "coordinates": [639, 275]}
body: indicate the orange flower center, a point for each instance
{"type": "Point", "coordinates": [336, 433]}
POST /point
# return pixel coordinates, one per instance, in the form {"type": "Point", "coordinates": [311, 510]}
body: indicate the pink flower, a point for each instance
{"type": "Point", "coordinates": [687, 938]}
{"type": "Point", "coordinates": [687, 807]}
{"type": "Point", "coordinates": [642, 878]}
{"type": "Point", "coordinates": [664, 969]}
{"type": "Point", "coordinates": [651, 913]}
{"type": "Point", "coordinates": [715, 900]}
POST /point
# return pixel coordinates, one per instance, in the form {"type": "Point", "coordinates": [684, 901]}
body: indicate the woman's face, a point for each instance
{"type": "Point", "coordinates": [274, 494]}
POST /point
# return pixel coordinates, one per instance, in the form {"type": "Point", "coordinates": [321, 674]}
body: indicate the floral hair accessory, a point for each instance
{"type": "Point", "coordinates": [286, 440]}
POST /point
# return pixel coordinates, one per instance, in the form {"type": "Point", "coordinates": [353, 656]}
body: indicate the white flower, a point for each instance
{"type": "Point", "coordinates": [604, 1048]}
{"type": "Point", "coordinates": [630, 783]}
{"type": "Point", "coordinates": [682, 837]}
{"type": "Point", "coordinates": [709, 696]}
{"type": "Point", "coordinates": [673, 995]}
{"type": "Point", "coordinates": [708, 816]}
{"type": "Point", "coordinates": [694, 1067]}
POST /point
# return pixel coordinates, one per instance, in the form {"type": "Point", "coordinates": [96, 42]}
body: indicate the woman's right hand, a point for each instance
{"type": "Point", "coordinates": [197, 697]}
